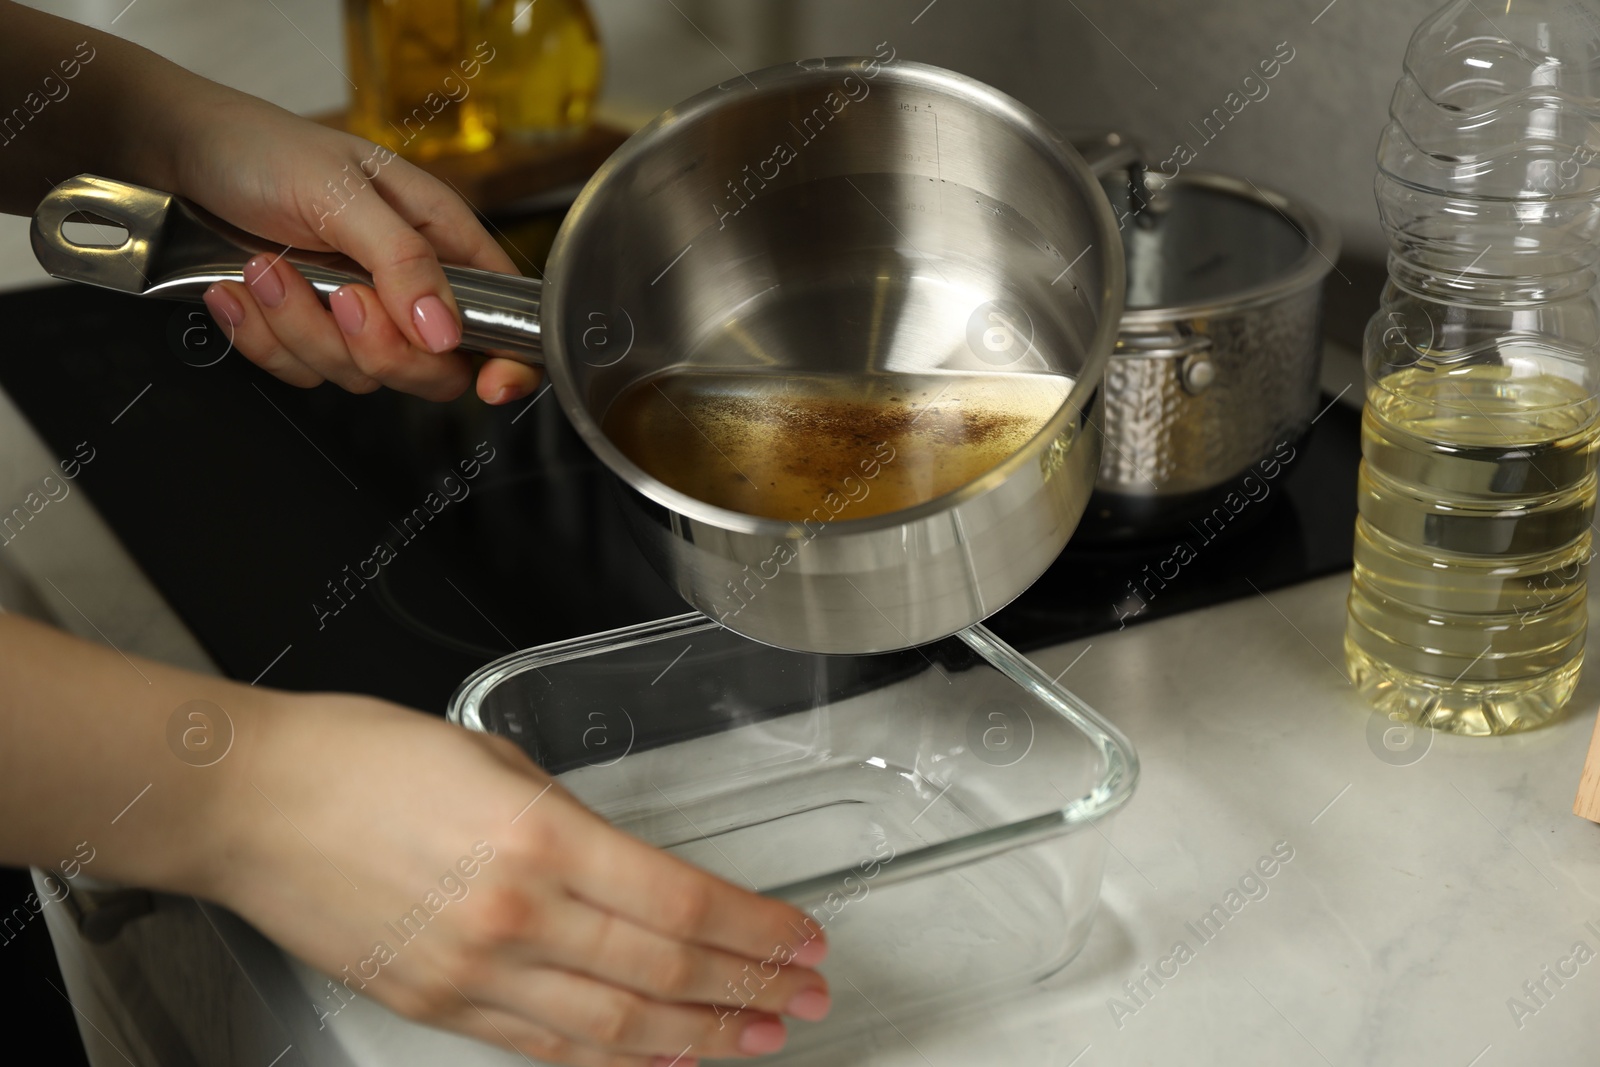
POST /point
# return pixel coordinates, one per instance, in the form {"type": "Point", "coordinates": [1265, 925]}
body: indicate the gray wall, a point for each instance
{"type": "Point", "coordinates": [1313, 135]}
{"type": "Point", "coordinates": [1150, 67]}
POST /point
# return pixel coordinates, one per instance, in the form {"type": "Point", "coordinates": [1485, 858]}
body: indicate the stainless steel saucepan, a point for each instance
{"type": "Point", "coordinates": [1213, 383]}
{"type": "Point", "coordinates": [832, 217]}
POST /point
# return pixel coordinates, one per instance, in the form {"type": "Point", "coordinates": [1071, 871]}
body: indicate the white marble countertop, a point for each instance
{"type": "Point", "coordinates": [1430, 877]}
{"type": "Point", "coordinates": [1426, 886]}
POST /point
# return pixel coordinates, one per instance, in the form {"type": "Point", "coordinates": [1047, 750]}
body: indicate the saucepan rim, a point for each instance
{"type": "Point", "coordinates": [779, 81]}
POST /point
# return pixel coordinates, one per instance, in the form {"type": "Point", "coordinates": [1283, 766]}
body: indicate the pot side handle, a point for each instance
{"type": "Point", "coordinates": [1107, 152]}
{"type": "Point", "coordinates": [1189, 353]}
{"type": "Point", "coordinates": [150, 243]}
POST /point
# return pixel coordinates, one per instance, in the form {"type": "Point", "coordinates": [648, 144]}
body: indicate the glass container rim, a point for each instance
{"type": "Point", "coordinates": [1119, 763]}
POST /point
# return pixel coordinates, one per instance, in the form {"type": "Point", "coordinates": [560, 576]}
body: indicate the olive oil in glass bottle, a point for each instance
{"type": "Point", "coordinates": [547, 68]}
{"type": "Point", "coordinates": [419, 68]}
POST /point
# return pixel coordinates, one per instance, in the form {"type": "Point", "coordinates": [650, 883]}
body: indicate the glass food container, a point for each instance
{"type": "Point", "coordinates": [931, 809]}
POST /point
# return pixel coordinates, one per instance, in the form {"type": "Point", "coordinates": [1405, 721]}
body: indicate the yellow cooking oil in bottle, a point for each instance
{"type": "Point", "coordinates": [1468, 604]}
{"type": "Point", "coordinates": [419, 67]}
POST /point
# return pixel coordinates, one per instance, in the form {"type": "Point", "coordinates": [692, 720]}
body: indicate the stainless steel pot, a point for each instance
{"type": "Point", "coordinates": [1213, 382]}
{"type": "Point", "coordinates": [840, 216]}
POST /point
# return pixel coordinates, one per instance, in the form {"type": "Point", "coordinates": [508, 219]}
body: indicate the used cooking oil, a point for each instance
{"type": "Point", "coordinates": [1477, 494]}
{"type": "Point", "coordinates": [839, 447]}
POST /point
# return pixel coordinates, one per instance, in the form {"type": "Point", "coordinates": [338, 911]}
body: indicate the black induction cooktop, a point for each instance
{"type": "Point", "coordinates": [382, 544]}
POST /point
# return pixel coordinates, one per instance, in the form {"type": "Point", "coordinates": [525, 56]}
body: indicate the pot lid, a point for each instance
{"type": "Point", "coordinates": [1206, 243]}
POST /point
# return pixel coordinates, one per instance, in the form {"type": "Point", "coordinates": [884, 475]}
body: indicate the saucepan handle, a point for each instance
{"type": "Point", "coordinates": [498, 311]}
{"type": "Point", "coordinates": [151, 243]}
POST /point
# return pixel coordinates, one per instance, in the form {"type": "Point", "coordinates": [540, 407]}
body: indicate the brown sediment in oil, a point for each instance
{"type": "Point", "coordinates": [785, 448]}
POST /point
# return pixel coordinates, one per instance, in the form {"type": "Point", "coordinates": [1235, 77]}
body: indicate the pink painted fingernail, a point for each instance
{"type": "Point", "coordinates": [262, 277]}
{"type": "Point", "coordinates": [810, 953]}
{"type": "Point", "coordinates": [436, 325]}
{"type": "Point", "coordinates": [809, 1004]}
{"type": "Point", "coordinates": [224, 307]}
{"type": "Point", "coordinates": [761, 1038]}
{"type": "Point", "coordinates": [347, 310]}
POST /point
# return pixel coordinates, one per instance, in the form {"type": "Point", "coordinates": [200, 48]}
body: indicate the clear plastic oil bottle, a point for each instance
{"type": "Point", "coordinates": [1468, 604]}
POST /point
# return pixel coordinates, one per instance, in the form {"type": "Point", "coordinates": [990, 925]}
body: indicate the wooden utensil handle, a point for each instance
{"type": "Point", "coordinates": [1587, 803]}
